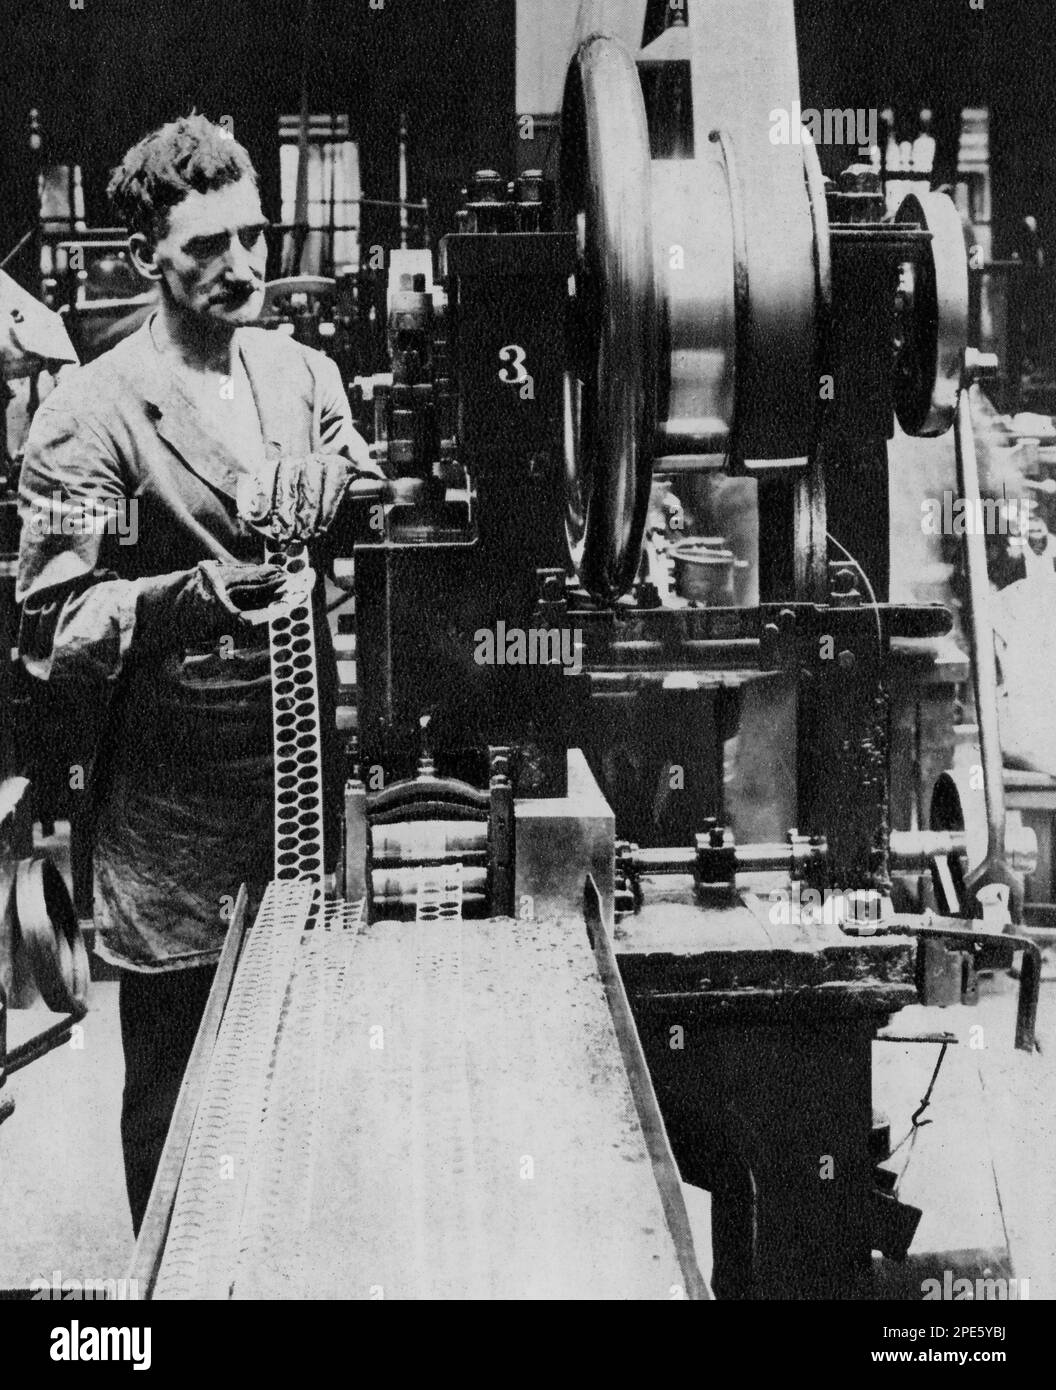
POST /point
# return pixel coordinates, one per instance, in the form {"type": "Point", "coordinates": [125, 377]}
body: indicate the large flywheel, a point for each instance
{"type": "Point", "coordinates": [701, 265]}
{"type": "Point", "coordinates": [610, 385]}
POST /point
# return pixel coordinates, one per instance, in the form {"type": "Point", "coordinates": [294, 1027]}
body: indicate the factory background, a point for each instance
{"type": "Point", "coordinates": [102, 76]}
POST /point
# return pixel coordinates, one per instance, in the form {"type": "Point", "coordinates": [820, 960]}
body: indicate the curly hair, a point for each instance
{"type": "Point", "coordinates": [157, 173]}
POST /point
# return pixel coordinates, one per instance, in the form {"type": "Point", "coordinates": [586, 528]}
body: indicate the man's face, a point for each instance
{"type": "Point", "coordinates": [212, 255]}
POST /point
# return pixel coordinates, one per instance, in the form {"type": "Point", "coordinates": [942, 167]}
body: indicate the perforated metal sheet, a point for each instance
{"type": "Point", "coordinates": [219, 1187]}
{"type": "Point", "coordinates": [280, 1193]}
{"type": "Point", "coordinates": [439, 896]}
{"type": "Point", "coordinates": [295, 722]}
{"type": "Point", "coordinates": [442, 1113]}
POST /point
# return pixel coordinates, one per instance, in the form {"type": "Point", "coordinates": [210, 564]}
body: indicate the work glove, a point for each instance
{"type": "Point", "coordinates": [296, 499]}
{"type": "Point", "coordinates": [196, 606]}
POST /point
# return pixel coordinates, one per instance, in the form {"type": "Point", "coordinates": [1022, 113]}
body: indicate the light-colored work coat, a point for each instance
{"type": "Point", "coordinates": [123, 480]}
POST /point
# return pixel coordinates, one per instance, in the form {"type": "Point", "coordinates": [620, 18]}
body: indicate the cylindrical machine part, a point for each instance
{"type": "Point", "coordinates": [400, 886]}
{"type": "Point", "coordinates": [693, 244]}
{"type": "Point", "coordinates": [610, 386]}
{"type": "Point", "coordinates": [911, 851]}
{"type": "Point", "coordinates": [428, 842]}
{"type": "Point", "coordinates": [759, 858]}
{"type": "Point", "coordinates": [703, 259]}
{"type": "Point", "coordinates": [391, 885]}
{"type": "Point", "coordinates": [403, 180]}
{"type": "Point", "coordinates": [933, 301]}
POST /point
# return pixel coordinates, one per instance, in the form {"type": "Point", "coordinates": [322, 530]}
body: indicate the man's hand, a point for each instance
{"type": "Point", "coordinates": [244, 588]}
{"type": "Point", "coordinates": [298, 498]}
{"type": "Point", "coordinates": [201, 604]}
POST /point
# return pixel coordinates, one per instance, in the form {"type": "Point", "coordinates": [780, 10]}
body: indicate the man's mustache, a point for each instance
{"type": "Point", "coordinates": [237, 293]}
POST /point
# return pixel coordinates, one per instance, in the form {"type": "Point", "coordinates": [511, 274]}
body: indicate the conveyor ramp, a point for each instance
{"type": "Point", "coordinates": [416, 1110]}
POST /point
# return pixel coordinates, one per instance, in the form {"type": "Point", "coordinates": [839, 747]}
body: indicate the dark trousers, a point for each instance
{"type": "Point", "coordinates": [160, 1014]}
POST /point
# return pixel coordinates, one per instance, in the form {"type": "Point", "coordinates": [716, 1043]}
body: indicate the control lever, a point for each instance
{"type": "Point", "coordinates": [402, 490]}
{"type": "Point", "coordinates": [979, 950]}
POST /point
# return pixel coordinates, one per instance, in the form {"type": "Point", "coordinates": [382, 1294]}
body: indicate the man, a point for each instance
{"type": "Point", "coordinates": [162, 435]}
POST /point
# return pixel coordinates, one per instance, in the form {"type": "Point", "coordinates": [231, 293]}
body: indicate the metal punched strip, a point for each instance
{"type": "Point", "coordinates": [339, 915]}
{"type": "Point", "coordinates": [203, 1234]}
{"type": "Point", "coordinates": [279, 1192]}
{"type": "Point", "coordinates": [274, 1254]}
{"type": "Point", "coordinates": [439, 893]}
{"type": "Point", "coordinates": [296, 726]}
{"type": "Point", "coordinates": [281, 1163]}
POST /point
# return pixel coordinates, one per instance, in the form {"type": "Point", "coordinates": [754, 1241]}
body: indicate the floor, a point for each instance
{"type": "Point", "coordinates": [62, 1187]}
{"type": "Point", "coordinates": [981, 1169]}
